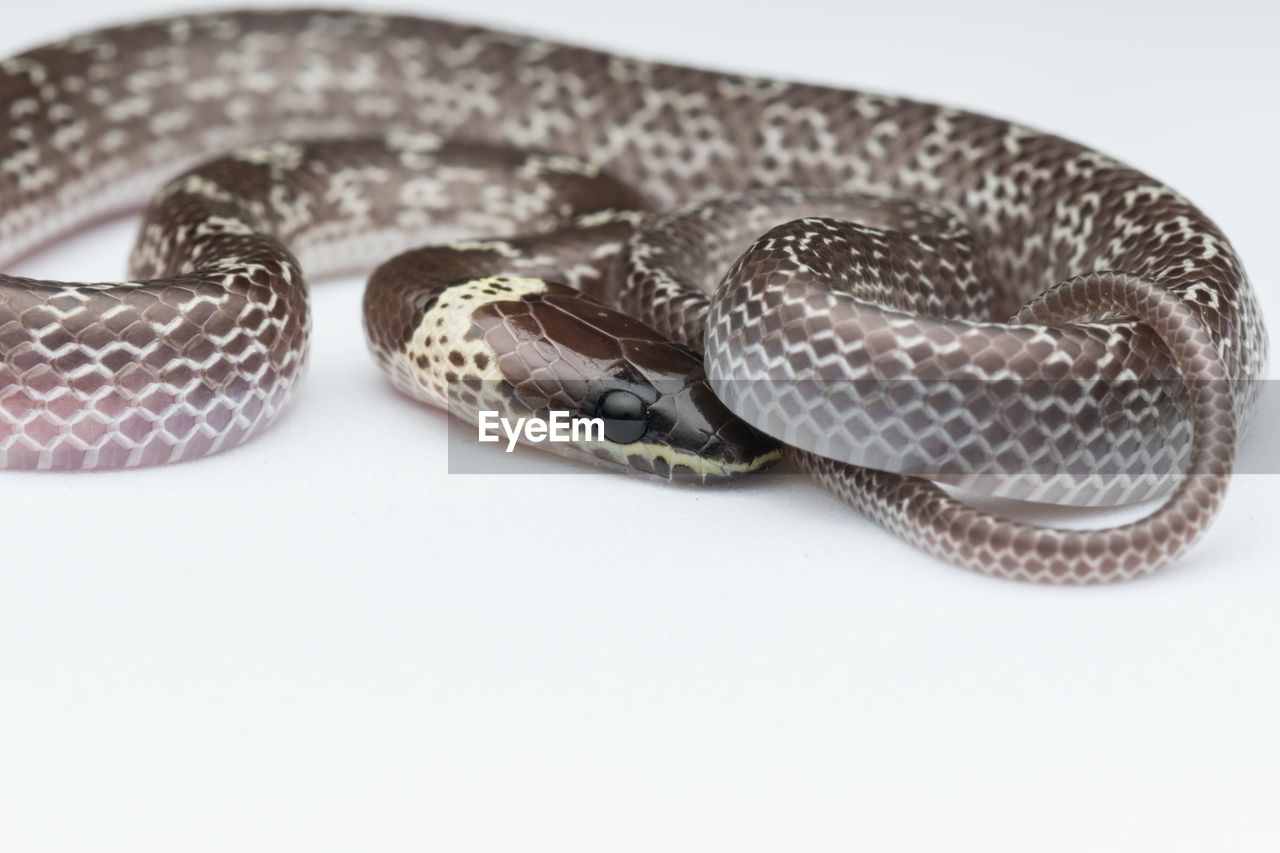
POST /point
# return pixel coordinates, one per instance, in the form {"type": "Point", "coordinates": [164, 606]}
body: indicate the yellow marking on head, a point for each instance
{"type": "Point", "coordinates": [673, 457]}
{"type": "Point", "coordinates": [425, 370]}
{"type": "Point", "coordinates": [426, 367]}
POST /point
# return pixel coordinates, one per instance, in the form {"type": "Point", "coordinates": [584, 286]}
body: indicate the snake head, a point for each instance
{"type": "Point", "coordinates": [546, 348]}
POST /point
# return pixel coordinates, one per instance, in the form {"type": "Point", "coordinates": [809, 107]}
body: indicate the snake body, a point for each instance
{"type": "Point", "coordinates": [124, 374]}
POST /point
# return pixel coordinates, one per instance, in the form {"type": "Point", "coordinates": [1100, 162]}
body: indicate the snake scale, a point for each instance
{"type": "Point", "coordinates": [877, 349]}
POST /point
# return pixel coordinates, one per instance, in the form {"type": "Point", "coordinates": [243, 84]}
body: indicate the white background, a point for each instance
{"type": "Point", "coordinates": [324, 641]}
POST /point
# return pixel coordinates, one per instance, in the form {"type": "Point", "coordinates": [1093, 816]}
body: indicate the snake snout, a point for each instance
{"type": "Point", "coordinates": [676, 429]}
{"type": "Point", "coordinates": [691, 436]}
{"type": "Point", "coordinates": [695, 421]}
{"type": "Point", "coordinates": [556, 348]}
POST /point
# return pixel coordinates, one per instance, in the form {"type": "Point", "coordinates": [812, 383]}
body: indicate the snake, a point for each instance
{"type": "Point", "coordinates": [911, 298]}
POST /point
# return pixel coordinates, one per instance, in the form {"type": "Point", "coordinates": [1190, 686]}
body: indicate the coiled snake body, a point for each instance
{"type": "Point", "coordinates": [874, 343]}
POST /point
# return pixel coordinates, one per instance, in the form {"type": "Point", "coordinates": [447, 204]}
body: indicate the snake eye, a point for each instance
{"type": "Point", "coordinates": [623, 414]}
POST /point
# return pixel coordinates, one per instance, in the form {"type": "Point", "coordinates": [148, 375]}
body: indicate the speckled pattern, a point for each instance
{"type": "Point", "coordinates": [938, 523]}
{"type": "Point", "coordinates": [851, 364]}
{"type": "Point", "coordinates": [127, 374]}
{"type": "Point", "coordinates": [809, 330]}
